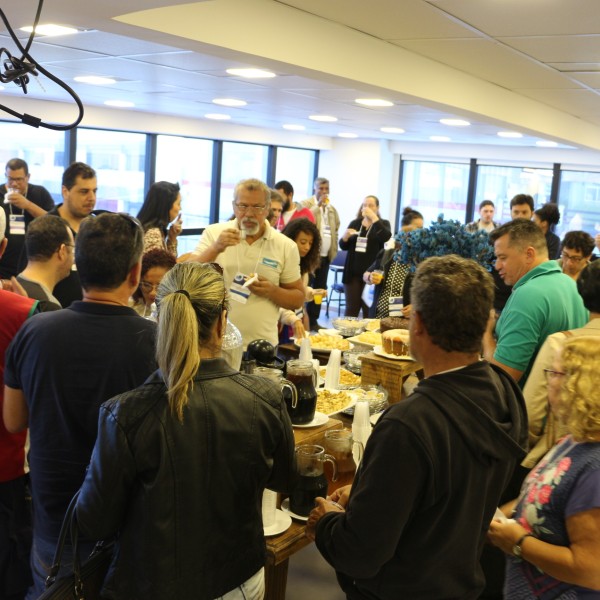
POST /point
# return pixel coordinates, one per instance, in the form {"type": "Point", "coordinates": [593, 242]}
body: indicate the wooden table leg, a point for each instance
{"type": "Point", "coordinates": [276, 580]}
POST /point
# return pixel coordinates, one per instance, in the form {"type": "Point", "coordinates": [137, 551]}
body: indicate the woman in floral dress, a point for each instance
{"type": "Point", "coordinates": [553, 543]}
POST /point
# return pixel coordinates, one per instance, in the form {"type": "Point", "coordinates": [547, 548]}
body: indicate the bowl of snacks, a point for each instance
{"type": "Point", "coordinates": [349, 326]}
{"type": "Point", "coordinates": [352, 359]}
{"type": "Point", "coordinates": [376, 396]}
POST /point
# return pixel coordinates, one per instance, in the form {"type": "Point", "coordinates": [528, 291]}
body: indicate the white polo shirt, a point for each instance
{"type": "Point", "coordinates": [273, 256]}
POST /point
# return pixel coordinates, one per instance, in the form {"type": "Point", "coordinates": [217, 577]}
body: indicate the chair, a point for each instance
{"type": "Point", "coordinates": [337, 268]}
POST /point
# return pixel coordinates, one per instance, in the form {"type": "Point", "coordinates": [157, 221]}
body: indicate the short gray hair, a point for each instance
{"type": "Point", "coordinates": [252, 185]}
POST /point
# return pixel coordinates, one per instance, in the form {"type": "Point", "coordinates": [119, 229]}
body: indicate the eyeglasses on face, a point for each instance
{"type": "Point", "coordinates": [148, 287]}
{"type": "Point", "coordinates": [552, 374]}
{"type": "Point", "coordinates": [574, 259]}
{"type": "Point", "coordinates": [15, 179]}
{"type": "Point", "coordinates": [245, 208]}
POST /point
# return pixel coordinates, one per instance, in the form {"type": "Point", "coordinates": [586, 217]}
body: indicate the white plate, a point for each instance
{"type": "Point", "coordinates": [334, 332]}
{"type": "Point", "coordinates": [351, 403]}
{"type": "Point", "coordinates": [356, 340]}
{"type": "Point", "coordinates": [297, 342]}
{"type": "Point", "coordinates": [282, 523]}
{"type": "Point", "coordinates": [318, 420]}
{"type": "Point", "coordinates": [285, 507]}
{"type": "Point", "coordinates": [381, 352]}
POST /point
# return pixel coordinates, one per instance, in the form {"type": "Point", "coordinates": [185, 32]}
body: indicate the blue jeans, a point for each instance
{"type": "Point", "coordinates": [252, 589]}
{"type": "Point", "coordinates": [42, 557]}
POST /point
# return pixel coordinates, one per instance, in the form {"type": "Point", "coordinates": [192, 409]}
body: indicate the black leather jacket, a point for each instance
{"type": "Point", "coordinates": [185, 499]}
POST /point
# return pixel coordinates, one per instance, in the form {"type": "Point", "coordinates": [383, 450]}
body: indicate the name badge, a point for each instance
{"type": "Point", "coordinates": [238, 292]}
{"type": "Point", "coordinates": [16, 224]}
{"type": "Point", "coordinates": [326, 231]}
{"type": "Point", "coordinates": [299, 312]}
{"type": "Point", "coordinates": [396, 306]}
{"type": "Point", "coordinates": [361, 244]}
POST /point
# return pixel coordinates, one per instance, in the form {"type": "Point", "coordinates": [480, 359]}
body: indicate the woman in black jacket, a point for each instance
{"type": "Point", "coordinates": [365, 237]}
{"type": "Point", "coordinates": [180, 463]}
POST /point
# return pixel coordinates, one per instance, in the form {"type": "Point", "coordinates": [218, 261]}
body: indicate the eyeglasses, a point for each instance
{"type": "Point", "coordinates": [575, 259]}
{"type": "Point", "coordinates": [15, 179]}
{"type": "Point", "coordinates": [244, 208]}
{"type": "Point", "coordinates": [551, 374]}
{"type": "Point", "coordinates": [147, 287]}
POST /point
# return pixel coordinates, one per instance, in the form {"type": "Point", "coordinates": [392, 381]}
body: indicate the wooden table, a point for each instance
{"type": "Point", "coordinates": [389, 373]}
{"type": "Point", "coordinates": [281, 547]}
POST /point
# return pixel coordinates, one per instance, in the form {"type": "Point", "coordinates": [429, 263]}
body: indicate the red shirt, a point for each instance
{"type": "Point", "coordinates": [14, 310]}
{"type": "Point", "coordinates": [299, 213]}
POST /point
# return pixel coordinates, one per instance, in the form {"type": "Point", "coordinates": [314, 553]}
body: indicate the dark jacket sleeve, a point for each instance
{"type": "Point", "coordinates": [361, 540]}
{"type": "Point", "coordinates": [381, 230]}
{"type": "Point", "coordinates": [108, 482]}
{"type": "Point", "coordinates": [351, 243]}
{"type": "Point", "coordinates": [376, 265]}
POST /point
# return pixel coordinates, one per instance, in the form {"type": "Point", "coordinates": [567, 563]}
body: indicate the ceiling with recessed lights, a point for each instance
{"type": "Point", "coordinates": [379, 69]}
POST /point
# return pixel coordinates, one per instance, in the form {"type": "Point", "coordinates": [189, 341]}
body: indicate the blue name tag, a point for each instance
{"type": "Point", "coordinates": [269, 262]}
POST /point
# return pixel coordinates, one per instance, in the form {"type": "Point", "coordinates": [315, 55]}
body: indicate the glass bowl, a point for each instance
{"type": "Point", "coordinates": [352, 359]}
{"type": "Point", "coordinates": [375, 394]}
{"type": "Point", "coordinates": [349, 326]}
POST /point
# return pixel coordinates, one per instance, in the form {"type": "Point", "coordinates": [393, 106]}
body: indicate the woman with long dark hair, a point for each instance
{"type": "Point", "coordinates": [180, 463]}
{"type": "Point", "coordinates": [161, 207]}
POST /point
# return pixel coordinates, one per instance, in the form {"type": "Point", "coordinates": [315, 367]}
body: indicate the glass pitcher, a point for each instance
{"type": "Point", "coordinates": [302, 374]}
{"type": "Point", "coordinates": [340, 444]}
{"type": "Point", "coordinates": [287, 388]}
{"type": "Point", "coordinates": [311, 481]}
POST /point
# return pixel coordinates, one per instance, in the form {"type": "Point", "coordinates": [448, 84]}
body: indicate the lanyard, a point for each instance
{"type": "Point", "coordinates": [237, 255]}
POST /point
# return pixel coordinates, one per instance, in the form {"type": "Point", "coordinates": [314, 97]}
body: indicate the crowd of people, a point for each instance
{"type": "Point", "coordinates": [111, 362]}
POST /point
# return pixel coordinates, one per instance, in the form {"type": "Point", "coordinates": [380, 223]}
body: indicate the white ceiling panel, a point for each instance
{"type": "Point", "coordinates": [580, 103]}
{"type": "Point", "coordinates": [558, 48]}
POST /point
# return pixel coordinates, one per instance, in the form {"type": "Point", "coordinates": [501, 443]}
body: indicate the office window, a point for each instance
{"type": "Point", "coordinates": [192, 169]}
{"type": "Point", "coordinates": [579, 202]}
{"type": "Point", "coordinates": [501, 184]}
{"type": "Point", "coordinates": [296, 166]}
{"type": "Point", "coordinates": [240, 161]}
{"type": "Point", "coordinates": [42, 149]}
{"type": "Point", "coordinates": [435, 188]}
{"type": "Point", "coordinates": [118, 158]}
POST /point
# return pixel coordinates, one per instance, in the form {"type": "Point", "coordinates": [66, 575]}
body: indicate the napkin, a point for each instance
{"type": "Point", "coordinates": [332, 373]}
{"type": "Point", "coordinates": [305, 351]}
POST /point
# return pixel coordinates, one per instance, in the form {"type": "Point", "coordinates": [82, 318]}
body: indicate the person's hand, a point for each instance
{"type": "Point", "coordinates": [263, 287]}
{"type": "Point", "coordinates": [17, 199]}
{"type": "Point", "coordinates": [505, 535]}
{"type": "Point", "coordinates": [228, 237]}
{"type": "Point", "coordinates": [349, 233]}
{"type": "Point", "coordinates": [406, 310]}
{"type": "Point", "coordinates": [175, 228]}
{"type": "Point", "coordinates": [341, 495]}
{"type": "Point", "coordinates": [322, 507]}
{"type": "Point", "coordinates": [370, 215]}
{"type": "Point", "coordinates": [491, 324]}
{"type": "Point", "coordinates": [597, 240]}
{"type": "Point", "coordinates": [12, 285]}
{"type": "Point", "coordinates": [299, 330]}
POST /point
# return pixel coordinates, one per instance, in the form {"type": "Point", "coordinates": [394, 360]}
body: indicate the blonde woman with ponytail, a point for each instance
{"type": "Point", "coordinates": [180, 464]}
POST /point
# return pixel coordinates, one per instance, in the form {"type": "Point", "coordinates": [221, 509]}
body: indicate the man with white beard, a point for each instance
{"type": "Point", "coordinates": [261, 266]}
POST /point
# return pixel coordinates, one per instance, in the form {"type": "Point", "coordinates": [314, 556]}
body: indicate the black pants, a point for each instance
{"type": "Point", "coordinates": [317, 281]}
{"type": "Point", "coordinates": [15, 538]}
{"type": "Point", "coordinates": [354, 302]}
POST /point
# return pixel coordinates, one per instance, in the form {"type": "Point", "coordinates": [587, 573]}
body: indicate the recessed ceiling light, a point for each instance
{"type": "Point", "coordinates": [347, 135]}
{"type": "Point", "coordinates": [392, 130]}
{"type": "Point", "coordinates": [292, 127]}
{"type": "Point", "coordinates": [323, 118]}
{"type": "Point", "coordinates": [546, 144]}
{"type": "Point", "coordinates": [251, 73]}
{"type": "Point", "coordinates": [119, 103]}
{"type": "Point", "coordinates": [510, 134]}
{"type": "Point", "coordinates": [373, 102]}
{"type": "Point", "coordinates": [50, 30]}
{"type": "Point", "coordinates": [229, 102]}
{"type": "Point", "coordinates": [218, 116]}
{"type": "Point", "coordinates": [94, 80]}
{"type": "Point", "coordinates": [455, 122]}
{"type": "Point", "coordinates": [439, 138]}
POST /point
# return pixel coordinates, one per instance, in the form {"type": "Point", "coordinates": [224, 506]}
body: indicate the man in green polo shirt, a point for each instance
{"type": "Point", "coordinates": [543, 300]}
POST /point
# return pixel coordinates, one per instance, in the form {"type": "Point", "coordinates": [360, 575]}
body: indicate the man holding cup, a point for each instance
{"type": "Point", "coordinates": [22, 202]}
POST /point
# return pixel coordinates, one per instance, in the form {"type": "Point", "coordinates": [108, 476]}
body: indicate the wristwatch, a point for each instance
{"type": "Point", "coordinates": [517, 550]}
